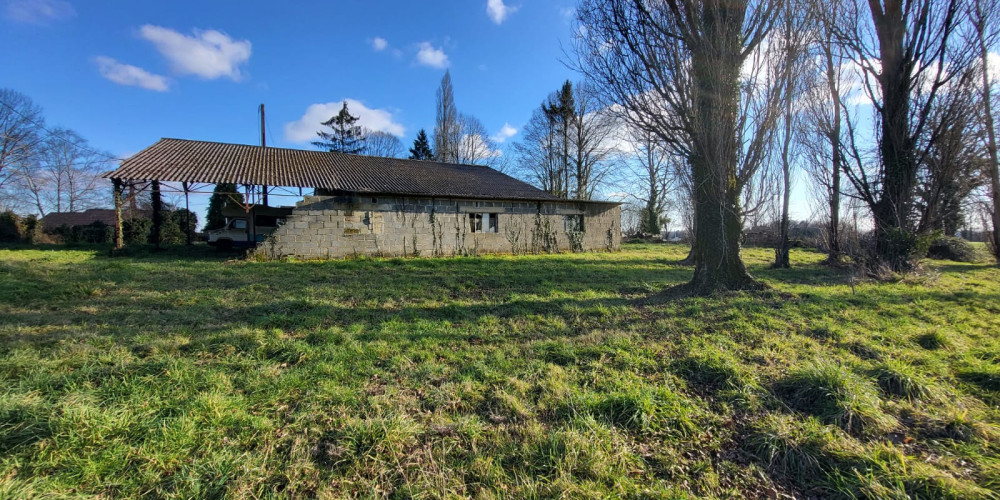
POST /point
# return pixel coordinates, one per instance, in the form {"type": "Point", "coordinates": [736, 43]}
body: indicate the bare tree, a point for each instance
{"type": "Point", "coordinates": [379, 143]}
{"type": "Point", "coordinates": [954, 164]}
{"type": "Point", "coordinates": [67, 175]}
{"type": "Point", "coordinates": [907, 52]}
{"type": "Point", "coordinates": [677, 68]}
{"type": "Point", "coordinates": [790, 46]}
{"type": "Point", "coordinates": [591, 142]}
{"type": "Point", "coordinates": [651, 179]}
{"type": "Point", "coordinates": [447, 128]}
{"type": "Point", "coordinates": [21, 126]}
{"type": "Point", "coordinates": [985, 17]}
{"type": "Point", "coordinates": [537, 152]}
{"type": "Point", "coordinates": [823, 120]}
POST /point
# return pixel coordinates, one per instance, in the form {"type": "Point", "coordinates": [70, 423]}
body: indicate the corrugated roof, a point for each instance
{"type": "Point", "coordinates": [179, 160]}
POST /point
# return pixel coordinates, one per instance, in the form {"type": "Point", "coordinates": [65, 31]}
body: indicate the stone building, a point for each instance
{"type": "Point", "coordinates": [363, 205]}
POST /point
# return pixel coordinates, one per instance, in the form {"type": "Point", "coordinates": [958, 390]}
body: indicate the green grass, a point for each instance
{"type": "Point", "coordinates": [172, 376]}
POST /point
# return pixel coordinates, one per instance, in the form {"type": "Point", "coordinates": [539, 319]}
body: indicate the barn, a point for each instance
{"type": "Point", "coordinates": [375, 206]}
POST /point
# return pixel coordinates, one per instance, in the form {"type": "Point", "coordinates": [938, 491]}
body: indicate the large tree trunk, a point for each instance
{"type": "Point", "coordinates": [892, 210]}
{"type": "Point", "coordinates": [715, 67]}
{"type": "Point", "coordinates": [991, 146]}
{"type": "Point", "coordinates": [718, 263]}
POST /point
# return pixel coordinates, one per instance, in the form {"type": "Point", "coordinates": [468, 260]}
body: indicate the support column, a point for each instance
{"type": "Point", "coordinates": [118, 188]}
{"type": "Point", "coordinates": [157, 235]}
{"type": "Point", "coordinates": [187, 214]}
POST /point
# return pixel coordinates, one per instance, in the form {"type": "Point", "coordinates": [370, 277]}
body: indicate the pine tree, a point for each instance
{"type": "Point", "coordinates": [345, 137]}
{"type": "Point", "coordinates": [421, 149]}
{"type": "Point", "coordinates": [224, 194]}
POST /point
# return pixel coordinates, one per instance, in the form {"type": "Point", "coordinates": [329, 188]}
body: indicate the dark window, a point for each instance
{"type": "Point", "coordinates": [267, 221]}
{"type": "Point", "coordinates": [238, 224]}
{"type": "Point", "coordinates": [484, 223]}
{"type": "Point", "coordinates": [573, 223]}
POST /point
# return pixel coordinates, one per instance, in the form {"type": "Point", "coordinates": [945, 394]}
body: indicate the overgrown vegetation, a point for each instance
{"type": "Point", "coordinates": [171, 375]}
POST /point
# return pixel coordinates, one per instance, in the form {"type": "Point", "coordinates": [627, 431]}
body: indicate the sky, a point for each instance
{"type": "Point", "coordinates": [123, 74]}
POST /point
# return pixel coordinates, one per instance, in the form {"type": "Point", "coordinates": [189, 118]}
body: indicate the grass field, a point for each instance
{"type": "Point", "coordinates": [494, 377]}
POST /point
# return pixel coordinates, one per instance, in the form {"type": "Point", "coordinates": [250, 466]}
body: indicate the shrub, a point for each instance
{"type": "Point", "coordinates": [31, 232]}
{"type": "Point", "coordinates": [952, 248]}
{"type": "Point", "coordinates": [836, 396]}
{"type": "Point", "coordinates": [11, 229]}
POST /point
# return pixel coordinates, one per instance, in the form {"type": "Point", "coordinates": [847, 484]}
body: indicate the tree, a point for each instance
{"type": "Point", "coordinates": [568, 143]}
{"type": "Point", "coordinates": [65, 176]}
{"type": "Point", "coordinates": [537, 152]}
{"type": "Point", "coordinates": [223, 195]}
{"type": "Point", "coordinates": [676, 69]}
{"type": "Point", "coordinates": [447, 127]}
{"type": "Point", "coordinates": [21, 124]}
{"type": "Point", "coordinates": [790, 46]}
{"type": "Point", "coordinates": [384, 144]}
{"type": "Point", "coordinates": [475, 147]}
{"type": "Point", "coordinates": [907, 53]}
{"type": "Point", "coordinates": [651, 173]}
{"type": "Point", "coordinates": [985, 16]}
{"type": "Point", "coordinates": [345, 136]}
{"type": "Point", "coordinates": [823, 122]}
{"type": "Point", "coordinates": [421, 149]}
{"type": "Point", "coordinates": [560, 111]}
{"type": "Point", "coordinates": [591, 142]}
{"type": "Point", "coordinates": [954, 164]}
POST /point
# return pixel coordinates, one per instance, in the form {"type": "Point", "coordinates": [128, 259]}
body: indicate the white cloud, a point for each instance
{"type": "Point", "coordinates": [38, 11]}
{"type": "Point", "coordinates": [568, 13]}
{"type": "Point", "coordinates": [209, 54]}
{"type": "Point", "coordinates": [379, 44]}
{"type": "Point", "coordinates": [497, 11]}
{"type": "Point", "coordinates": [506, 132]}
{"type": "Point", "coordinates": [304, 129]}
{"type": "Point", "coordinates": [132, 76]}
{"type": "Point", "coordinates": [430, 56]}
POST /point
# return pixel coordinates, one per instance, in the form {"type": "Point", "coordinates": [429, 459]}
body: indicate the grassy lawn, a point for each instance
{"type": "Point", "coordinates": [493, 377]}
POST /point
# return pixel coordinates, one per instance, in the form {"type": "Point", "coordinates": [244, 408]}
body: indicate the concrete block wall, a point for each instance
{"type": "Point", "coordinates": [345, 226]}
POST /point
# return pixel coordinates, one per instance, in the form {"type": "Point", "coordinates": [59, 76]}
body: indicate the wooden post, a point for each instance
{"type": "Point", "coordinates": [157, 214]}
{"type": "Point", "coordinates": [117, 187]}
{"type": "Point", "coordinates": [187, 213]}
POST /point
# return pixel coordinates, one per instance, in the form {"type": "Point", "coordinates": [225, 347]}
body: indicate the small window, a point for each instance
{"type": "Point", "coordinates": [238, 224]}
{"type": "Point", "coordinates": [573, 223]}
{"type": "Point", "coordinates": [484, 223]}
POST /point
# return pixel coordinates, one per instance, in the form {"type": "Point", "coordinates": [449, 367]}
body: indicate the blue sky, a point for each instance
{"type": "Point", "coordinates": [125, 73]}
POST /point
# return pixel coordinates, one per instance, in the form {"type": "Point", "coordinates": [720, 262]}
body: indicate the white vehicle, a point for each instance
{"type": "Point", "coordinates": [244, 229]}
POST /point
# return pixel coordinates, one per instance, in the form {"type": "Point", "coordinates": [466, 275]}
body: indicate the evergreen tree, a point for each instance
{"type": "Point", "coordinates": [561, 111]}
{"type": "Point", "coordinates": [345, 136]}
{"type": "Point", "coordinates": [223, 195]}
{"type": "Point", "coordinates": [421, 149]}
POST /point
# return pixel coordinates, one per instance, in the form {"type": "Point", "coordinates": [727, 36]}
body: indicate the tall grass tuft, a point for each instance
{"type": "Point", "coordinates": [836, 396]}
{"type": "Point", "coordinates": [898, 378]}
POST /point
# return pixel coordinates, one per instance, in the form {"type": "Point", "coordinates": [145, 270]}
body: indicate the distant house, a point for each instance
{"type": "Point", "coordinates": [54, 220]}
{"type": "Point", "coordinates": [365, 205]}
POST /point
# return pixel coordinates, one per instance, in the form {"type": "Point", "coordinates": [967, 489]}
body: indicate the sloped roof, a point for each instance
{"type": "Point", "coordinates": [55, 220]}
{"type": "Point", "coordinates": [178, 160]}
